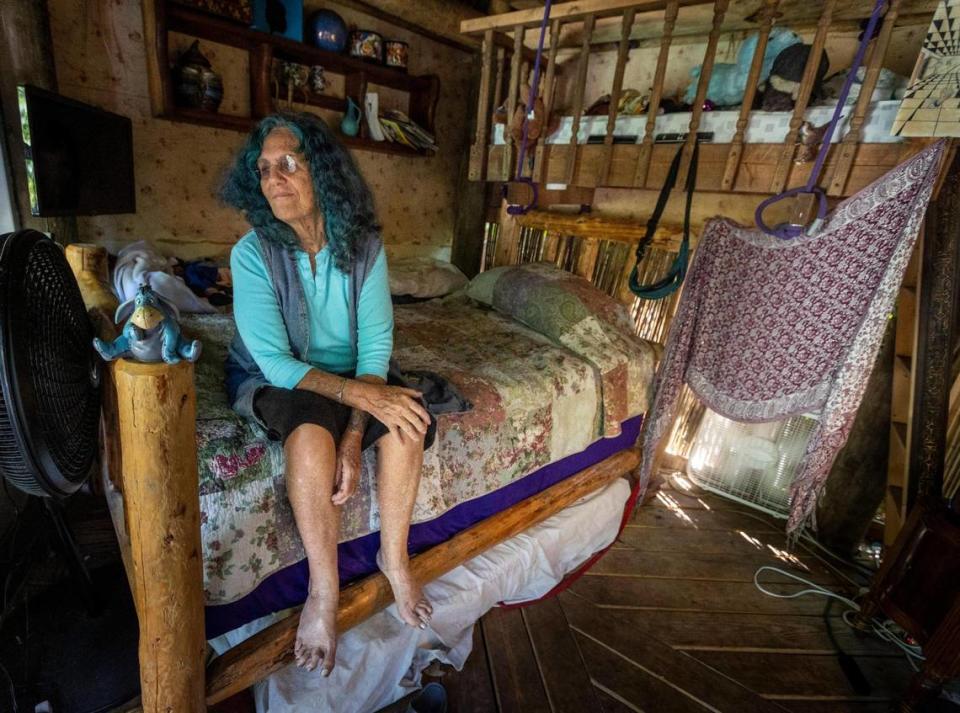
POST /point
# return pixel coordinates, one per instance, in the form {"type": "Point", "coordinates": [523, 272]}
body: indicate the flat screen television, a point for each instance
{"type": "Point", "coordinates": [79, 158]}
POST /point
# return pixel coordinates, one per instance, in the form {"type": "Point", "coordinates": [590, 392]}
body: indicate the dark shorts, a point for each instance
{"type": "Point", "coordinates": [283, 410]}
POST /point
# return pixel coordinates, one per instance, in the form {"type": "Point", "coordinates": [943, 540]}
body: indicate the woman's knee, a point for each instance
{"type": "Point", "coordinates": [310, 442]}
{"type": "Point", "coordinates": [402, 443]}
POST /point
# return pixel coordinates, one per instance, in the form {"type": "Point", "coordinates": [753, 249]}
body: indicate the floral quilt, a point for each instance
{"type": "Point", "coordinates": [534, 402]}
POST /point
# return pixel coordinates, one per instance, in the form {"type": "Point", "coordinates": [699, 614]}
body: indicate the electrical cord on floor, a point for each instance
{"type": "Point", "coordinates": [858, 682]}
{"type": "Point", "coordinates": [881, 629]}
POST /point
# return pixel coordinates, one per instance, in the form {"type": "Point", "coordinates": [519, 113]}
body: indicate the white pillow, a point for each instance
{"type": "Point", "coordinates": [424, 277]}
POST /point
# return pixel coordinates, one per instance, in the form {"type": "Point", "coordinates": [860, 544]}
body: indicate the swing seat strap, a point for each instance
{"type": "Point", "coordinates": [678, 270]}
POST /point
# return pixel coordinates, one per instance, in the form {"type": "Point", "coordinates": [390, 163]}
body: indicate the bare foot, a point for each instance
{"type": "Point", "coordinates": [317, 634]}
{"type": "Point", "coordinates": [414, 608]}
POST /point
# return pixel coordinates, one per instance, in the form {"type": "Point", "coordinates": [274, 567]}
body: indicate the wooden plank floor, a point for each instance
{"type": "Point", "coordinates": [670, 620]}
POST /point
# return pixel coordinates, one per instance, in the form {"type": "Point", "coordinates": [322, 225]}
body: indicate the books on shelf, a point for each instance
{"type": "Point", "coordinates": [397, 126]}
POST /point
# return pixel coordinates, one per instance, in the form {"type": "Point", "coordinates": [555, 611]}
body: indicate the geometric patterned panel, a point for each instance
{"type": "Point", "coordinates": [931, 105]}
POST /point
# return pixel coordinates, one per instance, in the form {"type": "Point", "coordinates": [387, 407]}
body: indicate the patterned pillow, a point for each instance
{"type": "Point", "coordinates": [571, 312]}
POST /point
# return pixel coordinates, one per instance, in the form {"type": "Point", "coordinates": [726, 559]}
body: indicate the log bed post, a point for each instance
{"type": "Point", "coordinates": [156, 409]}
{"type": "Point", "coordinates": [767, 13]}
{"type": "Point", "coordinates": [646, 149]}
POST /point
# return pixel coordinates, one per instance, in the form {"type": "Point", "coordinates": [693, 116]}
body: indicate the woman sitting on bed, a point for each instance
{"type": "Point", "coordinates": [309, 363]}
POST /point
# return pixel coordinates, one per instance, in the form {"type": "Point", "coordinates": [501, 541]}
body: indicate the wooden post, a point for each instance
{"type": "Point", "coordinates": [706, 70]}
{"type": "Point", "coordinates": [578, 90]}
{"type": "Point", "coordinates": [782, 171]}
{"type": "Point", "coordinates": [156, 406]}
{"type": "Point", "coordinates": [506, 168]}
{"type": "Point", "coordinates": [540, 163]}
{"type": "Point", "coordinates": [272, 648]}
{"type": "Point", "coordinates": [261, 68]}
{"type": "Point", "coordinates": [735, 153]}
{"type": "Point", "coordinates": [851, 142]}
{"type": "Point", "coordinates": [646, 150]}
{"type": "Point", "coordinates": [622, 51]}
{"type": "Point", "coordinates": [478, 152]}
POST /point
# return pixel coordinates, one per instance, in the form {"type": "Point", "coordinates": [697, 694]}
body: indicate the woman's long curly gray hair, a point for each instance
{"type": "Point", "coordinates": [341, 193]}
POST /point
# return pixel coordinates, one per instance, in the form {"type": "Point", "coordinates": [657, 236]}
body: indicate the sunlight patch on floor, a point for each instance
{"type": "Point", "coordinates": [673, 506]}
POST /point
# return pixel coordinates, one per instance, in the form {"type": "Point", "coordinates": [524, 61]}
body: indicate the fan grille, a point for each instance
{"type": "Point", "coordinates": [53, 369]}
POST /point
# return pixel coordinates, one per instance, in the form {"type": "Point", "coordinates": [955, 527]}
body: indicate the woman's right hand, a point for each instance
{"type": "Point", "coordinates": [396, 407]}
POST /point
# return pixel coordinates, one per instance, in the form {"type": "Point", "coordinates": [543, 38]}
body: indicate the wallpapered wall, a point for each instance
{"type": "Point", "coordinates": [99, 54]}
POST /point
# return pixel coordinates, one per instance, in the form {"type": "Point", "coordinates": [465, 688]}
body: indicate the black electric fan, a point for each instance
{"type": "Point", "coordinates": [49, 386]}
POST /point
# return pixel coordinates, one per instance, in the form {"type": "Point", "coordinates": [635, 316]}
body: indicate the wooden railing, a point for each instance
{"type": "Point", "coordinates": [734, 166]}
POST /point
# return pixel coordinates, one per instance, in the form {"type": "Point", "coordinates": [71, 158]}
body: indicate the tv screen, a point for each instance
{"type": "Point", "coordinates": [79, 158]}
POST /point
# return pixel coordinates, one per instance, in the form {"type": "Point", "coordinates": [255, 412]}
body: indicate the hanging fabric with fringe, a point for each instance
{"type": "Point", "coordinates": [768, 328]}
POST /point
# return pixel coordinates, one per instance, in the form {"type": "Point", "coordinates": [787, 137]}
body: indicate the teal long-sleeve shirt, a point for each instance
{"type": "Point", "coordinates": [327, 291]}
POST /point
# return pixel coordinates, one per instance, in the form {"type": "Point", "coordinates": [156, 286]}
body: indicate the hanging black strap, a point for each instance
{"type": "Point", "coordinates": [678, 270]}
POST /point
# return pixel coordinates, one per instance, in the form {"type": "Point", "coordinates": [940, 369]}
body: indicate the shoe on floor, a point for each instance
{"type": "Point", "coordinates": [432, 699]}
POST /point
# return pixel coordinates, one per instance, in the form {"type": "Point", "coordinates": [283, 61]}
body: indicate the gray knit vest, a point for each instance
{"type": "Point", "coordinates": [244, 377]}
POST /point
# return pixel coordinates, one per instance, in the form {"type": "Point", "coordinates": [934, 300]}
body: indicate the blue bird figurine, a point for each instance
{"type": "Point", "coordinates": [151, 333]}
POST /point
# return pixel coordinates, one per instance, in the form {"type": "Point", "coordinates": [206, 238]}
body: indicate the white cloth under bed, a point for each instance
{"type": "Point", "coordinates": [381, 660]}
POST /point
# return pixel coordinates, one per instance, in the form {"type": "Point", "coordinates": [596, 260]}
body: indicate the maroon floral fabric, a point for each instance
{"type": "Point", "coordinates": [768, 328]}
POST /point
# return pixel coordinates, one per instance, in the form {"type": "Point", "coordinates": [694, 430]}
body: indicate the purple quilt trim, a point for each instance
{"type": "Point", "coordinates": [288, 587]}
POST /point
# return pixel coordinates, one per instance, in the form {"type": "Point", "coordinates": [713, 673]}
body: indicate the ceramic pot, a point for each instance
{"type": "Point", "coordinates": [366, 44]}
{"type": "Point", "coordinates": [350, 125]}
{"type": "Point", "coordinates": [328, 31]}
{"type": "Point", "coordinates": [196, 85]}
{"type": "Point", "coordinates": [396, 54]}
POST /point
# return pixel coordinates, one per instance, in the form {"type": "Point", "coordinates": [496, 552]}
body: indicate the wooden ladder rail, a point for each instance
{"type": "Point", "coordinates": [782, 171]}
{"type": "Point", "coordinates": [656, 93]}
{"type": "Point", "coordinates": [481, 143]}
{"type": "Point", "coordinates": [706, 70]}
{"type": "Point", "coordinates": [766, 16]}
{"type": "Point", "coordinates": [549, 86]}
{"type": "Point", "coordinates": [578, 90]}
{"type": "Point", "coordinates": [847, 150]}
{"type": "Point", "coordinates": [623, 50]}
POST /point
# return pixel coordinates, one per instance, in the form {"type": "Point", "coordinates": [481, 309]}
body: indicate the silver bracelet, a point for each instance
{"type": "Point", "coordinates": [343, 385]}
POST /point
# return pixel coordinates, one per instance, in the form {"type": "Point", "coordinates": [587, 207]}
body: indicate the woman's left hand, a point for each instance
{"type": "Point", "coordinates": [348, 467]}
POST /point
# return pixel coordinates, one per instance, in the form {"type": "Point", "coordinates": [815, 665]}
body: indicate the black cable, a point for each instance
{"type": "Point", "coordinates": [848, 664]}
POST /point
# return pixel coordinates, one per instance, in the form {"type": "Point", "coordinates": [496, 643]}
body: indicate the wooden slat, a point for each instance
{"type": "Point", "coordinates": [272, 648]}
{"type": "Point", "coordinates": [706, 71]}
{"type": "Point", "coordinates": [797, 675]}
{"type": "Point", "coordinates": [643, 161]}
{"type": "Point", "coordinates": [509, 148]}
{"type": "Point", "coordinates": [758, 633]}
{"type": "Point", "coordinates": [627, 231]}
{"type": "Point", "coordinates": [578, 88]}
{"type": "Point", "coordinates": [654, 539]}
{"type": "Point", "coordinates": [851, 141]}
{"type": "Point", "coordinates": [498, 81]}
{"type": "Point", "coordinates": [766, 15]}
{"type": "Point", "coordinates": [587, 257]}
{"type": "Point", "coordinates": [643, 649]}
{"type": "Point", "coordinates": [513, 666]}
{"type": "Point", "coordinates": [562, 671]}
{"type": "Point", "coordinates": [472, 687]}
{"type": "Point", "coordinates": [691, 595]}
{"type": "Point", "coordinates": [478, 152]}
{"type": "Point", "coordinates": [547, 90]}
{"type": "Point", "coordinates": [623, 51]}
{"type": "Point", "coordinates": [803, 97]}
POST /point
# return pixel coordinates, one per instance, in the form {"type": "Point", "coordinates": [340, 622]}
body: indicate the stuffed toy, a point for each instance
{"type": "Point", "coordinates": [151, 333]}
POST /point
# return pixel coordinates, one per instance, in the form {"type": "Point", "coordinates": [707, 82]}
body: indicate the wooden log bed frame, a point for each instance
{"type": "Point", "coordinates": [149, 461]}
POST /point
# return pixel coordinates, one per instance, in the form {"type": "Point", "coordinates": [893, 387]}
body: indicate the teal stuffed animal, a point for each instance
{"type": "Point", "coordinates": [151, 333]}
{"type": "Point", "coordinates": [729, 81]}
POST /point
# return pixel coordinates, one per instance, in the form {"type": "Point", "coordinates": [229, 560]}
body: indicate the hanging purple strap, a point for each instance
{"type": "Point", "coordinates": [513, 209]}
{"type": "Point", "coordinates": [788, 231]}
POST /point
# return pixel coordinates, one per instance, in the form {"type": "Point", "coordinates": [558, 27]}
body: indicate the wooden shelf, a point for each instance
{"type": "Point", "coordinates": [162, 17]}
{"type": "Point", "coordinates": [245, 124]}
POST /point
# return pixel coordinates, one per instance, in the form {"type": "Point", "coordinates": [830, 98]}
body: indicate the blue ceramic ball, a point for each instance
{"type": "Point", "coordinates": [328, 31]}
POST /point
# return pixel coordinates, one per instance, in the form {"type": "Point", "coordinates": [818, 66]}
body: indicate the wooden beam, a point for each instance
{"type": "Point", "coordinates": [803, 97]}
{"type": "Point", "coordinates": [646, 149]}
{"type": "Point", "coordinates": [547, 91]}
{"type": "Point", "coordinates": [478, 152]}
{"type": "Point", "coordinates": [157, 415]}
{"type": "Point", "coordinates": [767, 13]}
{"type": "Point", "coordinates": [578, 90]}
{"type": "Point", "coordinates": [851, 141]}
{"type": "Point", "coordinates": [568, 12]}
{"type": "Point", "coordinates": [272, 648]}
{"type": "Point", "coordinates": [620, 230]}
{"type": "Point", "coordinates": [623, 50]}
{"type": "Point", "coordinates": [516, 59]}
